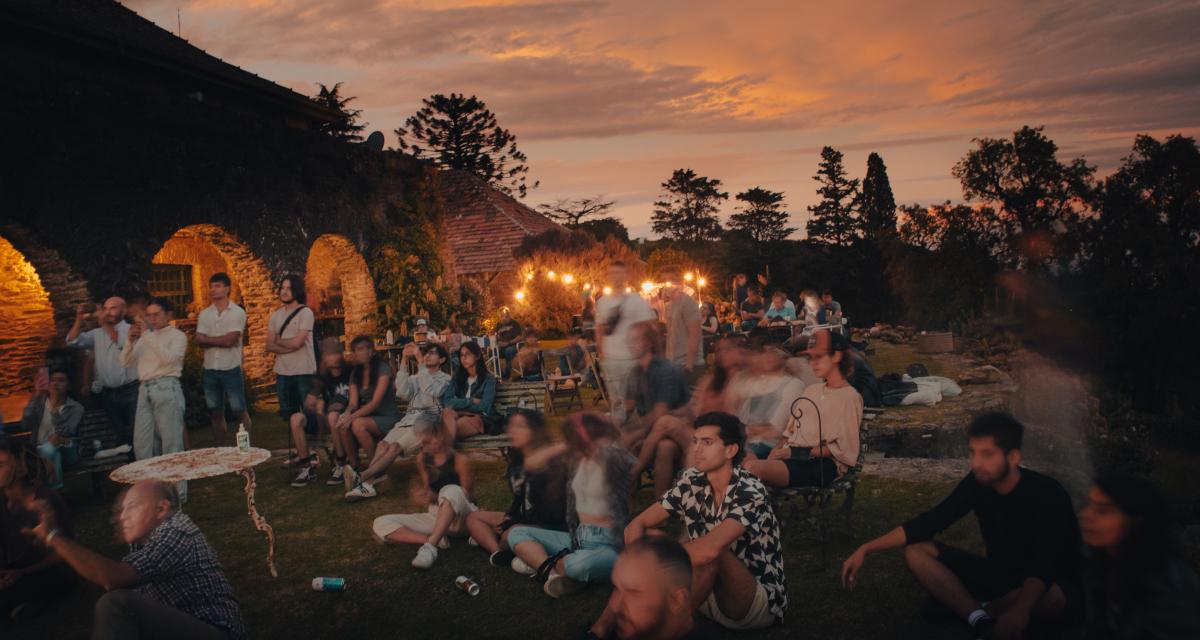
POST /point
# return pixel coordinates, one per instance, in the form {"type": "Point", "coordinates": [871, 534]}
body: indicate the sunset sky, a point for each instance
{"type": "Point", "coordinates": [610, 97]}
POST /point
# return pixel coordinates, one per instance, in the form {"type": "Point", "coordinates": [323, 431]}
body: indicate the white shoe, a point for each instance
{"type": "Point", "coordinates": [558, 586]}
{"type": "Point", "coordinates": [346, 476]}
{"type": "Point", "coordinates": [471, 542]}
{"type": "Point", "coordinates": [520, 567]}
{"type": "Point", "coordinates": [426, 556]}
{"type": "Point", "coordinates": [444, 543]}
{"type": "Point", "coordinates": [363, 491]}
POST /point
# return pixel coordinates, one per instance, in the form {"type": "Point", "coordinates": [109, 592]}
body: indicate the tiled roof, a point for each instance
{"type": "Point", "coordinates": [108, 25]}
{"type": "Point", "coordinates": [484, 225]}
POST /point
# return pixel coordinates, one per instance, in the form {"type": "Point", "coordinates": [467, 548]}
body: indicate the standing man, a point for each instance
{"type": "Point", "coordinates": [616, 313]}
{"type": "Point", "coordinates": [289, 337]}
{"type": "Point", "coordinates": [115, 383]}
{"type": "Point", "coordinates": [684, 347]}
{"type": "Point", "coordinates": [157, 349]}
{"type": "Point", "coordinates": [219, 332]}
{"type": "Point", "coordinates": [508, 334]}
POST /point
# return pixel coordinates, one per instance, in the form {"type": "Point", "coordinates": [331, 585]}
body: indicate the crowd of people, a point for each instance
{"type": "Point", "coordinates": [713, 441]}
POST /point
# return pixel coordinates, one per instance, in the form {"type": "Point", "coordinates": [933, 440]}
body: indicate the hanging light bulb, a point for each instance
{"type": "Point", "coordinates": [607, 291]}
{"type": "Point", "coordinates": [647, 286]}
{"type": "Point", "coordinates": [520, 295]}
{"type": "Point", "coordinates": [587, 286]}
{"type": "Point", "coordinates": [529, 276]}
{"type": "Point", "coordinates": [701, 282]}
{"type": "Point", "coordinates": [688, 277]}
{"type": "Point", "coordinates": [568, 278]}
{"type": "Point", "coordinates": [551, 275]}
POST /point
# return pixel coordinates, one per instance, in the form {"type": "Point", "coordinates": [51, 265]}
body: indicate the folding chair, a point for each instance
{"type": "Point", "coordinates": [564, 385]}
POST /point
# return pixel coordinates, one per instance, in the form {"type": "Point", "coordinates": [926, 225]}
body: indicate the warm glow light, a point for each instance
{"type": "Point", "coordinates": [587, 286]}
{"type": "Point", "coordinates": [521, 295]}
{"type": "Point", "coordinates": [628, 289]}
{"type": "Point", "coordinates": [568, 278]}
{"type": "Point", "coordinates": [701, 282]}
{"type": "Point", "coordinates": [647, 286]}
{"type": "Point", "coordinates": [607, 291]}
{"type": "Point", "coordinates": [529, 276]}
{"type": "Point", "coordinates": [551, 275]}
{"type": "Point", "coordinates": [687, 277]}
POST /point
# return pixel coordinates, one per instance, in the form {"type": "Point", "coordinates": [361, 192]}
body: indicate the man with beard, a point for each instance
{"type": "Point", "coordinates": [1033, 564]}
{"type": "Point", "coordinates": [651, 598]}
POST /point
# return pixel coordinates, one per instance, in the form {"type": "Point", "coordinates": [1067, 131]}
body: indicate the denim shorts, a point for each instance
{"type": "Point", "coordinates": [222, 384]}
{"type": "Point", "coordinates": [291, 391]}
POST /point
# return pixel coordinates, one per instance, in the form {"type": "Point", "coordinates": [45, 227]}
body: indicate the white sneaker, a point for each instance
{"type": "Point", "coordinates": [306, 476]}
{"type": "Point", "coordinates": [444, 543]}
{"type": "Point", "coordinates": [426, 556]}
{"type": "Point", "coordinates": [362, 491]}
{"type": "Point", "coordinates": [337, 476]}
{"type": "Point", "coordinates": [520, 567]}
{"type": "Point", "coordinates": [471, 542]}
{"type": "Point", "coordinates": [558, 586]}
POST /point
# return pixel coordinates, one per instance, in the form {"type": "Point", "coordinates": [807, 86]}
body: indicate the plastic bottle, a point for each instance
{"type": "Point", "coordinates": [467, 584]}
{"type": "Point", "coordinates": [329, 584]}
{"type": "Point", "coordinates": [243, 439]}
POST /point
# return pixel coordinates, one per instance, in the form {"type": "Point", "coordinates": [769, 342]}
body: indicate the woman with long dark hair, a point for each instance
{"type": "Point", "coordinates": [1139, 585]}
{"type": "Point", "coordinates": [468, 403]}
{"type": "Point", "coordinates": [372, 411]}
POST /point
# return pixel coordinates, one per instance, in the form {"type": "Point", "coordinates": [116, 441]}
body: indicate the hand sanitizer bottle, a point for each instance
{"type": "Point", "coordinates": [243, 439]}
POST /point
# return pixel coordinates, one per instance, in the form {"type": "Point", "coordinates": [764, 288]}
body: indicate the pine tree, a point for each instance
{"type": "Point", "coordinates": [877, 206]}
{"type": "Point", "coordinates": [346, 128]}
{"type": "Point", "coordinates": [571, 212]}
{"type": "Point", "coordinates": [687, 210]}
{"type": "Point", "coordinates": [834, 219]}
{"type": "Point", "coordinates": [762, 217]}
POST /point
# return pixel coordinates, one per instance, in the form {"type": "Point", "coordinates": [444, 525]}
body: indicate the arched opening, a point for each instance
{"type": "Point", "coordinates": [340, 289]}
{"type": "Point", "coordinates": [27, 318]}
{"type": "Point", "coordinates": [180, 273]}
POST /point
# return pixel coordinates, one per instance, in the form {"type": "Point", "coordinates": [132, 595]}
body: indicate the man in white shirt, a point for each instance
{"type": "Point", "coordinates": [615, 314]}
{"type": "Point", "coordinates": [157, 349]}
{"type": "Point", "coordinates": [116, 384]}
{"type": "Point", "coordinates": [219, 330]}
{"type": "Point", "coordinates": [290, 338]}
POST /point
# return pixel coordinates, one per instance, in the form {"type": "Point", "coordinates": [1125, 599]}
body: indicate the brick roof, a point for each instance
{"type": "Point", "coordinates": [484, 225]}
{"type": "Point", "coordinates": [107, 25]}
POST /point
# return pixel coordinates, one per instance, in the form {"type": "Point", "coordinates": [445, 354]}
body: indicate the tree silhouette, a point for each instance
{"type": "Point", "coordinates": [571, 212]}
{"type": "Point", "coordinates": [762, 217]}
{"type": "Point", "coordinates": [877, 205]}
{"type": "Point", "coordinates": [834, 219]}
{"type": "Point", "coordinates": [687, 209]}
{"type": "Point", "coordinates": [346, 128]}
{"type": "Point", "coordinates": [602, 228]}
{"type": "Point", "coordinates": [458, 132]}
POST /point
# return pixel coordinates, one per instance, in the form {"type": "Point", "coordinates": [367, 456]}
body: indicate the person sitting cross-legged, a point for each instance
{"type": "Point", "coordinates": [1033, 562]}
{"type": "Point", "coordinates": [170, 585]}
{"type": "Point", "coordinates": [446, 483]}
{"type": "Point", "coordinates": [732, 534]}
{"type": "Point", "coordinates": [537, 476]}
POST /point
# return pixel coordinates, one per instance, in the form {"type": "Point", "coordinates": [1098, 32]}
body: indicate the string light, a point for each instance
{"type": "Point", "coordinates": [520, 295]}
{"type": "Point", "coordinates": [529, 276]}
{"type": "Point", "coordinates": [607, 291]}
{"type": "Point", "coordinates": [647, 287]}
{"type": "Point", "coordinates": [587, 286]}
{"type": "Point", "coordinates": [701, 282]}
{"type": "Point", "coordinates": [628, 289]}
{"type": "Point", "coordinates": [568, 278]}
{"type": "Point", "coordinates": [551, 275]}
{"type": "Point", "coordinates": [687, 277]}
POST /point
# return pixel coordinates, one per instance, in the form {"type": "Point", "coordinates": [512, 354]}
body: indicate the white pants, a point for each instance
{"type": "Point", "coordinates": [158, 426]}
{"type": "Point", "coordinates": [758, 617]}
{"type": "Point", "coordinates": [409, 443]}
{"type": "Point", "coordinates": [616, 373]}
{"type": "Point", "coordinates": [423, 523]}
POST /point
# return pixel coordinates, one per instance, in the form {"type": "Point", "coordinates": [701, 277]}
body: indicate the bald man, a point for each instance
{"type": "Point", "coordinates": [170, 585]}
{"type": "Point", "coordinates": [651, 597]}
{"type": "Point", "coordinates": [116, 384]}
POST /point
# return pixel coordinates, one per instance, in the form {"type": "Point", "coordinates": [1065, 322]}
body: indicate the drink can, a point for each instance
{"type": "Point", "coordinates": [329, 584]}
{"type": "Point", "coordinates": [467, 584]}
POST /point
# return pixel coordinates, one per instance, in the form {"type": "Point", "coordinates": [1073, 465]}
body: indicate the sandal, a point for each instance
{"type": "Point", "coordinates": [543, 570]}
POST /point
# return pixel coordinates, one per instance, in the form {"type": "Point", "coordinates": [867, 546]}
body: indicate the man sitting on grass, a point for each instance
{"type": "Point", "coordinates": [170, 585]}
{"type": "Point", "coordinates": [1032, 566]}
{"type": "Point", "coordinates": [733, 536]}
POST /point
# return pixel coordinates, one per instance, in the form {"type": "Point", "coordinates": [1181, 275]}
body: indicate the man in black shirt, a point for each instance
{"type": "Point", "coordinates": [1033, 562]}
{"type": "Point", "coordinates": [508, 335]}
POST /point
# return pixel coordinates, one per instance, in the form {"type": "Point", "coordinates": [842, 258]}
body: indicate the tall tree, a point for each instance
{"type": "Point", "coordinates": [877, 205]}
{"type": "Point", "coordinates": [571, 212]}
{"type": "Point", "coordinates": [1025, 181]}
{"type": "Point", "coordinates": [762, 216]}
{"type": "Point", "coordinates": [347, 127]}
{"type": "Point", "coordinates": [458, 132]}
{"type": "Point", "coordinates": [834, 219]}
{"type": "Point", "coordinates": [602, 228]}
{"type": "Point", "coordinates": [687, 209]}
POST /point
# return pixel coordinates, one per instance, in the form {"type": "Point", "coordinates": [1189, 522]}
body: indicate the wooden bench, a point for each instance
{"type": "Point", "coordinates": [95, 426]}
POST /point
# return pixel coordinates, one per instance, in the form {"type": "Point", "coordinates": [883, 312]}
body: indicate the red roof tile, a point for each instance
{"type": "Point", "coordinates": [484, 225]}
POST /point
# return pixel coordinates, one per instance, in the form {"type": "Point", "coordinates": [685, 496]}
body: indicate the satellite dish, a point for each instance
{"type": "Point", "coordinates": [374, 141]}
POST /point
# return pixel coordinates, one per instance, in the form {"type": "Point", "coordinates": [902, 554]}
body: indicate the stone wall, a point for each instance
{"type": "Point", "coordinates": [334, 257]}
{"type": "Point", "coordinates": [28, 324]}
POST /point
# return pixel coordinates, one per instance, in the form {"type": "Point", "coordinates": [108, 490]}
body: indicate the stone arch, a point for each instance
{"type": "Point", "coordinates": [38, 295]}
{"type": "Point", "coordinates": [340, 286]}
{"type": "Point", "coordinates": [207, 249]}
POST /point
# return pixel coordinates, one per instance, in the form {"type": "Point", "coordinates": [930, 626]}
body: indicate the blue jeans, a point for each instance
{"type": "Point", "coordinates": [507, 354]}
{"type": "Point", "coordinates": [159, 425]}
{"type": "Point", "coordinates": [594, 559]}
{"type": "Point", "coordinates": [219, 385]}
{"type": "Point", "coordinates": [58, 457]}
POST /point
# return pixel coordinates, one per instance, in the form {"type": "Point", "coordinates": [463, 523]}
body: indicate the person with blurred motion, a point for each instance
{"type": "Point", "coordinates": [659, 405]}
{"type": "Point", "coordinates": [1033, 564]}
{"type": "Point", "coordinates": [616, 313]}
{"type": "Point", "coordinates": [170, 586]}
{"type": "Point", "coordinates": [115, 383]}
{"type": "Point", "coordinates": [684, 345]}
{"type": "Point", "coordinates": [768, 395]}
{"type": "Point", "coordinates": [721, 389]}
{"type": "Point", "coordinates": [1139, 585]}
{"type": "Point", "coordinates": [219, 331]}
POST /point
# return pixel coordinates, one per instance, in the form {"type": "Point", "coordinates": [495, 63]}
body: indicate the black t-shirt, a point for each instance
{"type": "Point", "coordinates": [333, 389]}
{"type": "Point", "coordinates": [539, 498]}
{"type": "Point", "coordinates": [752, 307]}
{"type": "Point", "coordinates": [662, 381]}
{"type": "Point", "coordinates": [508, 331]}
{"type": "Point", "coordinates": [1031, 532]}
{"type": "Point", "coordinates": [18, 550]}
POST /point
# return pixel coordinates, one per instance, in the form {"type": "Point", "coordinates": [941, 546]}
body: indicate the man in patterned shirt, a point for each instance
{"type": "Point", "coordinates": [733, 536]}
{"type": "Point", "coordinates": [170, 585]}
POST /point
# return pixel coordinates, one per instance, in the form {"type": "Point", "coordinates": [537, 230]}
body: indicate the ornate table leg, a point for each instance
{"type": "Point", "coordinates": [260, 522]}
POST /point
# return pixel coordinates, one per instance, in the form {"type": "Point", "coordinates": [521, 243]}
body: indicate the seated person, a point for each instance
{"type": "Point", "coordinates": [768, 394]}
{"type": "Point", "coordinates": [710, 324]}
{"type": "Point", "coordinates": [824, 443]}
{"type": "Point", "coordinates": [597, 510]}
{"type": "Point", "coordinates": [1139, 584]}
{"type": "Point", "coordinates": [537, 477]}
{"type": "Point", "coordinates": [811, 311]}
{"type": "Point", "coordinates": [752, 310]}
{"type": "Point", "coordinates": [1032, 565]}
{"type": "Point", "coordinates": [30, 577]}
{"type": "Point", "coordinates": [508, 334]}
{"type": "Point", "coordinates": [781, 309]}
{"type": "Point", "coordinates": [170, 584]}
{"type": "Point", "coordinates": [53, 418]}
{"type": "Point", "coordinates": [732, 533]}
{"type": "Point", "coordinates": [446, 484]}
{"type": "Point", "coordinates": [451, 338]}
{"type": "Point", "coordinates": [721, 389]}
{"type": "Point", "coordinates": [658, 398]}
{"type": "Point", "coordinates": [323, 405]}
{"type": "Point", "coordinates": [529, 358]}
{"type": "Point", "coordinates": [830, 311]}
{"type": "Point", "coordinates": [575, 361]}
{"type": "Point", "coordinates": [652, 593]}
{"type": "Point", "coordinates": [372, 411]}
{"type": "Point", "coordinates": [468, 402]}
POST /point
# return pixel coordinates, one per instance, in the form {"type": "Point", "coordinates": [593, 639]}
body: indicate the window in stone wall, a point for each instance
{"type": "Point", "coordinates": [173, 282]}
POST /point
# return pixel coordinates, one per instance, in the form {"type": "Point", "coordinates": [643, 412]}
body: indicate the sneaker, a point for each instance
{"type": "Point", "coordinates": [502, 558]}
{"type": "Point", "coordinates": [361, 491]}
{"type": "Point", "coordinates": [520, 567]}
{"type": "Point", "coordinates": [558, 586]}
{"type": "Point", "coordinates": [336, 476]}
{"type": "Point", "coordinates": [426, 556]}
{"type": "Point", "coordinates": [306, 476]}
{"type": "Point", "coordinates": [444, 543]}
{"type": "Point", "coordinates": [471, 542]}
